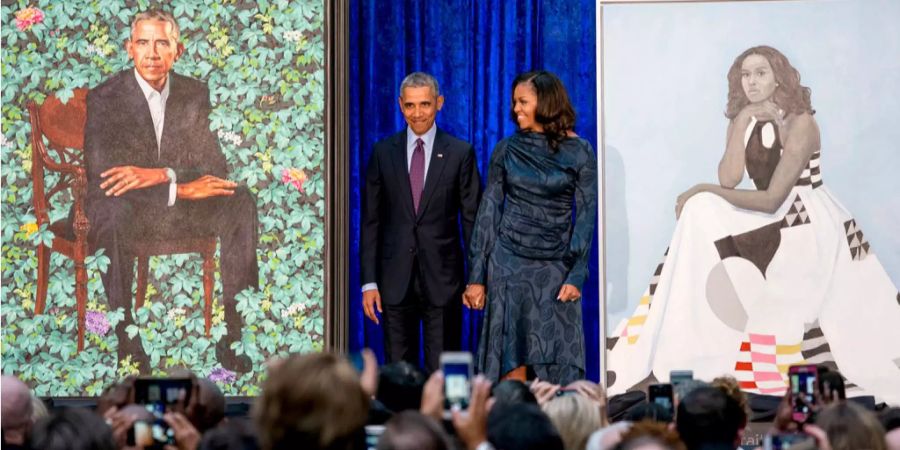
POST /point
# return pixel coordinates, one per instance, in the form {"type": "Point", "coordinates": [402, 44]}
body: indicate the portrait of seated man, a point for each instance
{"type": "Point", "coordinates": [155, 171]}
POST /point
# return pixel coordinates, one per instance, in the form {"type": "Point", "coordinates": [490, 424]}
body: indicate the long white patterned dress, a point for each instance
{"type": "Point", "coordinates": [749, 293]}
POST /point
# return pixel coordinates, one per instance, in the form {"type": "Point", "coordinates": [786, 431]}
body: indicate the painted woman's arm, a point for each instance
{"type": "Point", "coordinates": [801, 142]}
{"type": "Point", "coordinates": [731, 167]}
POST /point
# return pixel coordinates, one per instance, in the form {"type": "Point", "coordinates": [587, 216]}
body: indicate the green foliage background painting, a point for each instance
{"type": "Point", "coordinates": [264, 63]}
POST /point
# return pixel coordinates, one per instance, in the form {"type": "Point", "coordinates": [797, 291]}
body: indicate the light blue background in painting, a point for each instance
{"type": "Point", "coordinates": [664, 91]}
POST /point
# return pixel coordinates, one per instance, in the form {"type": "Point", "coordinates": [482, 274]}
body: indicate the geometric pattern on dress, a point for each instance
{"type": "Point", "coordinates": [796, 215]}
{"type": "Point", "coordinates": [812, 175]}
{"type": "Point", "coordinates": [859, 246]}
{"type": "Point", "coordinates": [815, 350]}
{"type": "Point", "coordinates": [635, 323]}
{"type": "Point", "coordinates": [762, 364]}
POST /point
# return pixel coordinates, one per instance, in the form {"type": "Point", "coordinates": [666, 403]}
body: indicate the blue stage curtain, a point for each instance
{"type": "Point", "coordinates": [475, 49]}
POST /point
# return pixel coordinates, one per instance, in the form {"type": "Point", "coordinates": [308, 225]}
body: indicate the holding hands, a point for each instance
{"type": "Point", "coordinates": [474, 297]}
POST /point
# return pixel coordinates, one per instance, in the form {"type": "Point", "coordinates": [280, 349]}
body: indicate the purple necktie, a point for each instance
{"type": "Point", "coordinates": [417, 173]}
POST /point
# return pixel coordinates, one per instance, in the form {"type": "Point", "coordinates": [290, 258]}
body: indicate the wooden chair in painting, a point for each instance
{"type": "Point", "coordinates": [61, 125]}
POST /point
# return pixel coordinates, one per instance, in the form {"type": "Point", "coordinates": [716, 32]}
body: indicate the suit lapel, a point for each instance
{"type": "Point", "coordinates": [435, 169]}
{"type": "Point", "coordinates": [137, 103]}
{"type": "Point", "coordinates": [402, 171]}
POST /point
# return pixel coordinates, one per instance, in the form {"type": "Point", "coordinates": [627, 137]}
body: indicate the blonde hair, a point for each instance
{"type": "Point", "coordinates": [730, 386]}
{"type": "Point", "coordinates": [575, 417]}
{"type": "Point", "coordinates": [311, 401]}
{"type": "Point", "coordinates": [850, 427]}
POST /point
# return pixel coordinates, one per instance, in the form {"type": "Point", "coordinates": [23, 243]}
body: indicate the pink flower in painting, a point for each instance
{"type": "Point", "coordinates": [294, 177]}
{"type": "Point", "coordinates": [222, 375]}
{"type": "Point", "coordinates": [28, 17]}
{"type": "Point", "coordinates": [97, 323]}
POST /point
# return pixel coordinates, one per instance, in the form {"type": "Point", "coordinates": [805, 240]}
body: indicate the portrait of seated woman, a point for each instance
{"type": "Point", "coordinates": [779, 273]}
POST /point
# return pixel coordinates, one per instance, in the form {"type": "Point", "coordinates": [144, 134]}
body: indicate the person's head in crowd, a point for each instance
{"type": "Point", "coordinates": [831, 386]}
{"type": "Point", "coordinates": [608, 437]}
{"type": "Point", "coordinates": [521, 426]}
{"type": "Point", "coordinates": [730, 386]}
{"type": "Point", "coordinates": [38, 409]}
{"type": "Point", "coordinates": [400, 386]}
{"type": "Point", "coordinates": [236, 434]}
{"type": "Point", "coordinates": [209, 409]}
{"type": "Point", "coordinates": [511, 392]}
{"type": "Point", "coordinates": [123, 424]}
{"type": "Point", "coordinates": [116, 395]}
{"type": "Point", "coordinates": [890, 421]}
{"type": "Point", "coordinates": [311, 401]}
{"type": "Point", "coordinates": [410, 430]}
{"type": "Point", "coordinates": [650, 435]}
{"type": "Point", "coordinates": [575, 417]}
{"type": "Point", "coordinates": [851, 427]}
{"type": "Point", "coordinates": [649, 412]}
{"type": "Point", "coordinates": [72, 429]}
{"type": "Point", "coordinates": [707, 418]}
{"type": "Point", "coordinates": [681, 390]}
{"type": "Point", "coordinates": [15, 402]}
{"type": "Point", "coordinates": [594, 392]}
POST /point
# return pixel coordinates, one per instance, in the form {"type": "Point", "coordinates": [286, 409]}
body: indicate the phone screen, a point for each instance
{"type": "Point", "coordinates": [457, 385]}
{"type": "Point", "coordinates": [661, 394]}
{"type": "Point", "coordinates": [784, 441]}
{"type": "Point", "coordinates": [803, 388]}
{"type": "Point", "coordinates": [158, 396]}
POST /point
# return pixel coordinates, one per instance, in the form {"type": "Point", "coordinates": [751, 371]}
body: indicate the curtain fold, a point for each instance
{"type": "Point", "coordinates": [474, 48]}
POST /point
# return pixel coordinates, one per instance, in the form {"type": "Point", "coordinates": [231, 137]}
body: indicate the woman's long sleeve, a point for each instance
{"type": "Point", "coordinates": [487, 223]}
{"type": "Point", "coordinates": [585, 218]}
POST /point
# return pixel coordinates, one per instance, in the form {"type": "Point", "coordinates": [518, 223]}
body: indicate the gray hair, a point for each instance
{"type": "Point", "coordinates": [157, 14]}
{"type": "Point", "coordinates": [420, 79]}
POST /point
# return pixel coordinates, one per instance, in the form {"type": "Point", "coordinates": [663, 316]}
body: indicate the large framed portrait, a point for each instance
{"type": "Point", "coordinates": [273, 100]}
{"type": "Point", "coordinates": [767, 285]}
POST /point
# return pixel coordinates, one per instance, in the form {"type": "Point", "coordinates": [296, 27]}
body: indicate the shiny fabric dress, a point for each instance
{"type": "Point", "coordinates": [525, 246]}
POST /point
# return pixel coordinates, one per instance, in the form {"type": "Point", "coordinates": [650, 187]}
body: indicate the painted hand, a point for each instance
{"type": "Point", "coordinates": [121, 179]}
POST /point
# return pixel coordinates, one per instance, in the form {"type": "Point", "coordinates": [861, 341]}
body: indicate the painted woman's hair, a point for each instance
{"type": "Point", "coordinates": [789, 95]}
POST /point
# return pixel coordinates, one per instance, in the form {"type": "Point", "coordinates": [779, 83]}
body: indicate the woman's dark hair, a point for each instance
{"type": "Point", "coordinates": [73, 429]}
{"type": "Point", "coordinates": [789, 95]}
{"type": "Point", "coordinates": [554, 110]}
{"type": "Point", "coordinates": [512, 391]}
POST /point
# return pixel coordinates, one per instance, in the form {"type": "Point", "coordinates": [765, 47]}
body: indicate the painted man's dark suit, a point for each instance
{"type": "Point", "coordinates": [417, 258]}
{"type": "Point", "coordinates": [119, 132]}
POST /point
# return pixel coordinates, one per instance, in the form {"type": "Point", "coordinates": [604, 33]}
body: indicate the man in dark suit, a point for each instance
{"type": "Point", "coordinates": [154, 169]}
{"type": "Point", "coordinates": [420, 184]}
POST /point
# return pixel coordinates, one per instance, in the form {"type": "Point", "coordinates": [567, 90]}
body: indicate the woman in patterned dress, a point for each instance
{"type": "Point", "coordinates": [528, 258]}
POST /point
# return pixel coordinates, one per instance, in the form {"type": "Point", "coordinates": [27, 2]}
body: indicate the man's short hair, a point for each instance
{"type": "Point", "coordinates": [157, 14]}
{"type": "Point", "coordinates": [73, 428]}
{"type": "Point", "coordinates": [410, 430]}
{"type": "Point", "coordinates": [420, 79]}
{"type": "Point", "coordinates": [16, 404]}
{"type": "Point", "coordinates": [521, 426]}
{"type": "Point", "coordinates": [400, 386]}
{"type": "Point", "coordinates": [708, 416]}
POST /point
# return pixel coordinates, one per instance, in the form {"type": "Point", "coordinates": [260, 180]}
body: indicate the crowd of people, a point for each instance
{"type": "Point", "coordinates": [321, 401]}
